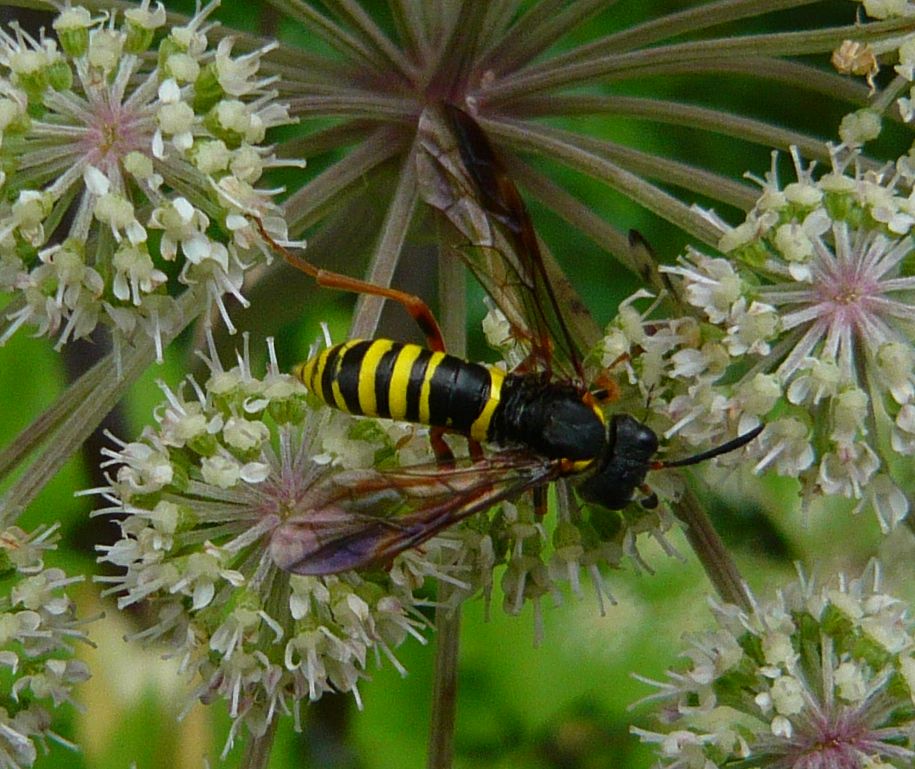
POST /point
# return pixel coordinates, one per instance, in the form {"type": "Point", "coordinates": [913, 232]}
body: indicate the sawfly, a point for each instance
{"type": "Point", "coordinates": [541, 421]}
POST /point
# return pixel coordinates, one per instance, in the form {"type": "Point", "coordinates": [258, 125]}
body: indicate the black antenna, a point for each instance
{"type": "Point", "coordinates": [724, 448]}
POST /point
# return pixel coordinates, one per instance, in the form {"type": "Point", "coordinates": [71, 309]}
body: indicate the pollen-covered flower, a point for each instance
{"type": "Point", "coordinates": [109, 140]}
{"type": "Point", "coordinates": [808, 326]}
{"type": "Point", "coordinates": [38, 627]}
{"type": "Point", "coordinates": [206, 496]}
{"type": "Point", "coordinates": [821, 677]}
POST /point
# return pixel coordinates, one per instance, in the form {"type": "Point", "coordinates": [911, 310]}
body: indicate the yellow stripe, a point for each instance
{"type": "Point", "coordinates": [339, 400]}
{"type": "Point", "coordinates": [309, 372]}
{"type": "Point", "coordinates": [480, 427]}
{"type": "Point", "coordinates": [367, 401]}
{"type": "Point", "coordinates": [427, 385]}
{"type": "Point", "coordinates": [302, 371]}
{"type": "Point", "coordinates": [400, 378]}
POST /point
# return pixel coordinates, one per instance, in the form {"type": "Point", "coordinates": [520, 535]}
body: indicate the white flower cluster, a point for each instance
{"type": "Point", "coordinates": [808, 326]}
{"type": "Point", "coordinates": [823, 676]}
{"type": "Point", "coordinates": [887, 9]}
{"type": "Point", "coordinates": [547, 556]}
{"type": "Point", "coordinates": [856, 58]}
{"type": "Point", "coordinates": [38, 626]}
{"type": "Point", "coordinates": [126, 171]}
{"type": "Point", "coordinates": [205, 496]}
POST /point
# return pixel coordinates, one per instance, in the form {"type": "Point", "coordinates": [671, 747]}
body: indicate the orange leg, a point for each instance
{"type": "Point", "coordinates": [417, 308]}
{"type": "Point", "coordinates": [442, 451]}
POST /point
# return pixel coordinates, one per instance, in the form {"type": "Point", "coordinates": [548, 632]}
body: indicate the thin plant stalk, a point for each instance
{"type": "Point", "coordinates": [452, 301]}
{"type": "Point", "coordinates": [258, 749]}
{"type": "Point", "coordinates": [719, 566]}
{"type": "Point", "coordinates": [86, 416]}
{"type": "Point", "coordinates": [393, 234]}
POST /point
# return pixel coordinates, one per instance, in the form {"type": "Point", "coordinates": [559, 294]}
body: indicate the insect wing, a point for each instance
{"type": "Point", "coordinates": [357, 518]}
{"type": "Point", "coordinates": [460, 175]}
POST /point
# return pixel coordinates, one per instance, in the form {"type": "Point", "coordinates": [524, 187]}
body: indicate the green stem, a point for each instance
{"type": "Point", "coordinates": [387, 253]}
{"type": "Point", "coordinates": [889, 95]}
{"type": "Point", "coordinates": [694, 53]}
{"type": "Point", "coordinates": [312, 201]}
{"type": "Point", "coordinates": [257, 750]}
{"type": "Point", "coordinates": [352, 103]}
{"type": "Point", "coordinates": [542, 140]}
{"type": "Point", "coordinates": [671, 25]}
{"type": "Point", "coordinates": [444, 691]}
{"type": "Point", "coordinates": [373, 34]}
{"type": "Point", "coordinates": [675, 113]}
{"type": "Point", "coordinates": [83, 417]}
{"type": "Point", "coordinates": [348, 45]}
{"type": "Point", "coordinates": [39, 430]}
{"type": "Point", "coordinates": [544, 24]}
{"type": "Point", "coordinates": [452, 300]}
{"type": "Point", "coordinates": [713, 555]}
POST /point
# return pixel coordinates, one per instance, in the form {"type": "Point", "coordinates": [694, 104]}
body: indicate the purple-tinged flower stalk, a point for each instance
{"type": "Point", "coordinates": [807, 325]}
{"type": "Point", "coordinates": [821, 677]}
{"type": "Point", "coordinates": [129, 157]}
{"type": "Point", "coordinates": [38, 627]}
{"type": "Point", "coordinates": [204, 496]}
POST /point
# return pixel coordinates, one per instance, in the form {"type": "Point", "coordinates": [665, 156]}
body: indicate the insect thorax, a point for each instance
{"type": "Point", "coordinates": [550, 418]}
{"type": "Point", "coordinates": [626, 461]}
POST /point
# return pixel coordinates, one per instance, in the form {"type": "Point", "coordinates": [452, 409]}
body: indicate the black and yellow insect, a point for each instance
{"type": "Point", "coordinates": [547, 428]}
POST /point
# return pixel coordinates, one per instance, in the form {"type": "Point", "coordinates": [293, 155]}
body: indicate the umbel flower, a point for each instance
{"type": "Point", "coordinates": [124, 168]}
{"type": "Point", "coordinates": [38, 627]}
{"type": "Point", "coordinates": [216, 500]}
{"type": "Point", "coordinates": [809, 320]}
{"type": "Point", "coordinates": [535, 79]}
{"type": "Point", "coordinates": [822, 677]}
{"type": "Point", "coordinates": [204, 497]}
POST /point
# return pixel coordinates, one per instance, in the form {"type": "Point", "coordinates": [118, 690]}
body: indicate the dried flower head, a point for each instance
{"type": "Point", "coordinates": [38, 627]}
{"type": "Point", "coordinates": [823, 677]}
{"type": "Point", "coordinates": [110, 145]}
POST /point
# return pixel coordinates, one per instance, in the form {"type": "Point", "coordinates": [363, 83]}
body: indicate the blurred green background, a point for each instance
{"type": "Point", "coordinates": [565, 704]}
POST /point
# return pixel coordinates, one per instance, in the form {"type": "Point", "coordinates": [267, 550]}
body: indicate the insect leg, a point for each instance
{"type": "Point", "coordinates": [475, 449]}
{"type": "Point", "coordinates": [540, 501]}
{"type": "Point", "coordinates": [417, 308]}
{"type": "Point", "coordinates": [443, 453]}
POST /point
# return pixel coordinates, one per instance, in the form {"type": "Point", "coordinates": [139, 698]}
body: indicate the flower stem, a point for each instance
{"type": "Point", "coordinates": [38, 431]}
{"type": "Point", "coordinates": [562, 148]}
{"type": "Point", "coordinates": [64, 439]}
{"type": "Point", "coordinates": [713, 555]}
{"type": "Point", "coordinates": [444, 691]}
{"type": "Point", "coordinates": [257, 751]}
{"type": "Point", "coordinates": [452, 301]}
{"type": "Point", "coordinates": [387, 253]}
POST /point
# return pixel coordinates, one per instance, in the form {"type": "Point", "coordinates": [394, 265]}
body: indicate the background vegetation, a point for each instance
{"type": "Point", "coordinates": [564, 704]}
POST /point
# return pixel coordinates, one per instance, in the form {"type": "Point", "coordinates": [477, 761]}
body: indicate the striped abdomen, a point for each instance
{"type": "Point", "coordinates": [381, 378]}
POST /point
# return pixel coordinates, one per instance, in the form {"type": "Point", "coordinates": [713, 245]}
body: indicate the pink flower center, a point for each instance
{"type": "Point", "coordinates": [112, 134]}
{"type": "Point", "coordinates": [844, 295]}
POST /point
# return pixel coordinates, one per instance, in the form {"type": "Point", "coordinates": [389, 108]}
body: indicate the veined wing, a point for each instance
{"type": "Point", "coordinates": [461, 175]}
{"type": "Point", "coordinates": [357, 518]}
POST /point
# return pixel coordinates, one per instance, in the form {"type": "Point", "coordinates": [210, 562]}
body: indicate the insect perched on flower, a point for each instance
{"type": "Point", "coordinates": [552, 428]}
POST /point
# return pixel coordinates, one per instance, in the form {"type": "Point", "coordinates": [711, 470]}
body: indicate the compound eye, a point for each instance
{"type": "Point", "coordinates": [646, 439]}
{"type": "Point", "coordinates": [627, 436]}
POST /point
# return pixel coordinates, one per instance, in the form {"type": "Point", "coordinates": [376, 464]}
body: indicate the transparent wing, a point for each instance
{"type": "Point", "coordinates": [461, 175]}
{"type": "Point", "coordinates": [358, 518]}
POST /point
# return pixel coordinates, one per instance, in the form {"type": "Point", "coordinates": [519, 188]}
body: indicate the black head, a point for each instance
{"type": "Point", "coordinates": [626, 460]}
{"type": "Point", "coordinates": [628, 456]}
